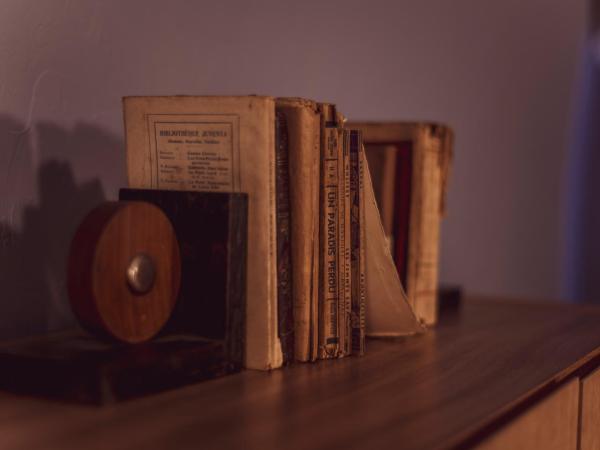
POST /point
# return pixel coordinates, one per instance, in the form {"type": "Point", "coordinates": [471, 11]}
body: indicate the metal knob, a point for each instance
{"type": "Point", "coordinates": [141, 273]}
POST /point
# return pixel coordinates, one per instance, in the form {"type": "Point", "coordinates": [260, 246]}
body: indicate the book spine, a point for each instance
{"type": "Point", "coordinates": [344, 306]}
{"type": "Point", "coordinates": [224, 161]}
{"type": "Point", "coordinates": [315, 293]}
{"type": "Point", "coordinates": [363, 243]}
{"type": "Point", "coordinates": [285, 309]}
{"type": "Point", "coordinates": [316, 255]}
{"type": "Point", "coordinates": [303, 122]}
{"type": "Point", "coordinates": [329, 227]}
{"type": "Point", "coordinates": [357, 225]}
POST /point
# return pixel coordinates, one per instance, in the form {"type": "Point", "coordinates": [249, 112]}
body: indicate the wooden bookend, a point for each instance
{"type": "Point", "coordinates": [211, 228]}
{"type": "Point", "coordinates": [197, 238]}
{"type": "Point", "coordinates": [124, 271]}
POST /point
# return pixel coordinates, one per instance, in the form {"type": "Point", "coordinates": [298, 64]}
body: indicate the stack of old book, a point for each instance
{"type": "Point", "coordinates": [320, 275]}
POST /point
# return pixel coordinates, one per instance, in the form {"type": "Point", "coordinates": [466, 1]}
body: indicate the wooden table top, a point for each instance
{"type": "Point", "coordinates": [439, 390]}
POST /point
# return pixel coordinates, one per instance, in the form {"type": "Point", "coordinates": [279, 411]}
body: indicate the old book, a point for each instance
{"type": "Point", "coordinates": [285, 307]}
{"type": "Point", "coordinates": [222, 144]}
{"type": "Point", "coordinates": [422, 154]}
{"type": "Point", "coordinates": [345, 298]}
{"type": "Point", "coordinates": [303, 127]}
{"type": "Point", "coordinates": [329, 286]}
{"type": "Point", "coordinates": [388, 312]}
{"type": "Point", "coordinates": [357, 239]}
{"type": "Point", "coordinates": [292, 158]}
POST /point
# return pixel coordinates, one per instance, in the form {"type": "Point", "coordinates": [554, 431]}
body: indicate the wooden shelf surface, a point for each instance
{"type": "Point", "coordinates": [443, 389]}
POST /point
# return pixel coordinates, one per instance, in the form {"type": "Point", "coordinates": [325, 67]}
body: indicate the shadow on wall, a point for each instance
{"type": "Point", "coordinates": [33, 259]}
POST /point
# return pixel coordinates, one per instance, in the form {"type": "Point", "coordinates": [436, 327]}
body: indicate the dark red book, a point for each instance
{"type": "Point", "coordinates": [402, 204]}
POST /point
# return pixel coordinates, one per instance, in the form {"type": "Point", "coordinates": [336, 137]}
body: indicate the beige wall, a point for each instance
{"type": "Point", "coordinates": [501, 73]}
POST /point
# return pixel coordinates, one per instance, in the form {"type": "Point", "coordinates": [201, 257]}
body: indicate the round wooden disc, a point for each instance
{"type": "Point", "coordinates": [124, 271]}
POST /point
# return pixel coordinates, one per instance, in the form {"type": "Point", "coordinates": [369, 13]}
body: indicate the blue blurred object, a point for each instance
{"type": "Point", "coordinates": [581, 260]}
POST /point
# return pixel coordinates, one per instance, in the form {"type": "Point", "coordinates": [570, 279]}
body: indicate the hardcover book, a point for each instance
{"type": "Point", "coordinates": [222, 144]}
{"type": "Point", "coordinates": [410, 164]}
{"type": "Point", "coordinates": [303, 130]}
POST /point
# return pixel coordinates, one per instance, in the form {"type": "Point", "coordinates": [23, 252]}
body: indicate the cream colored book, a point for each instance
{"type": "Point", "coordinates": [223, 144]}
{"type": "Point", "coordinates": [345, 247]}
{"type": "Point", "coordinates": [303, 126]}
{"type": "Point", "coordinates": [329, 214]}
{"type": "Point", "coordinates": [388, 310]}
{"type": "Point", "coordinates": [429, 147]}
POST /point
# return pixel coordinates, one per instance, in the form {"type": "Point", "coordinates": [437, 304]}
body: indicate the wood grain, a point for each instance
{"type": "Point", "coordinates": [101, 251]}
{"type": "Point", "coordinates": [448, 388]}
{"type": "Point", "coordinates": [552, 424]}
{"type": "Point", "coordinates": [590, 411]}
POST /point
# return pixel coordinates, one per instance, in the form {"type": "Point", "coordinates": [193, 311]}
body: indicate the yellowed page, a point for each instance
{"type": "Point", "coordinates": [388, 311]}
{"type": "Point", "coordinates": [217, 144]}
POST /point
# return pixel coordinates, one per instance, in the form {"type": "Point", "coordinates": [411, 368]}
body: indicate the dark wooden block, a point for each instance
{"type": "Point", "coordinates": [211, 228]}
{"type": "Point", "coordinates": [77, 367]}
{"type": "Point", "coordinates": [449, 298]}
{"type": "Point", "coordinates": [204, 338]}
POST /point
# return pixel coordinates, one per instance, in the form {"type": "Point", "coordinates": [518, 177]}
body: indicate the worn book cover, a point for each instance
{"type": "Point", "coordinates": [329, 290]}
{"type": "Point", "coordinates": [345, 246]}
{"type": "Point", "coordinates": [222, 144]}
{"type": "Point", "coordinates": [303, 131]}
{"type": "Point", "coordinates": [285, 307]}
{"type": "Point", "coordinates": [388, 312]}
{"type": "Point", "coordinates": [357, 240]}
{"type": "Point", "coordinates": [413, 198]}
